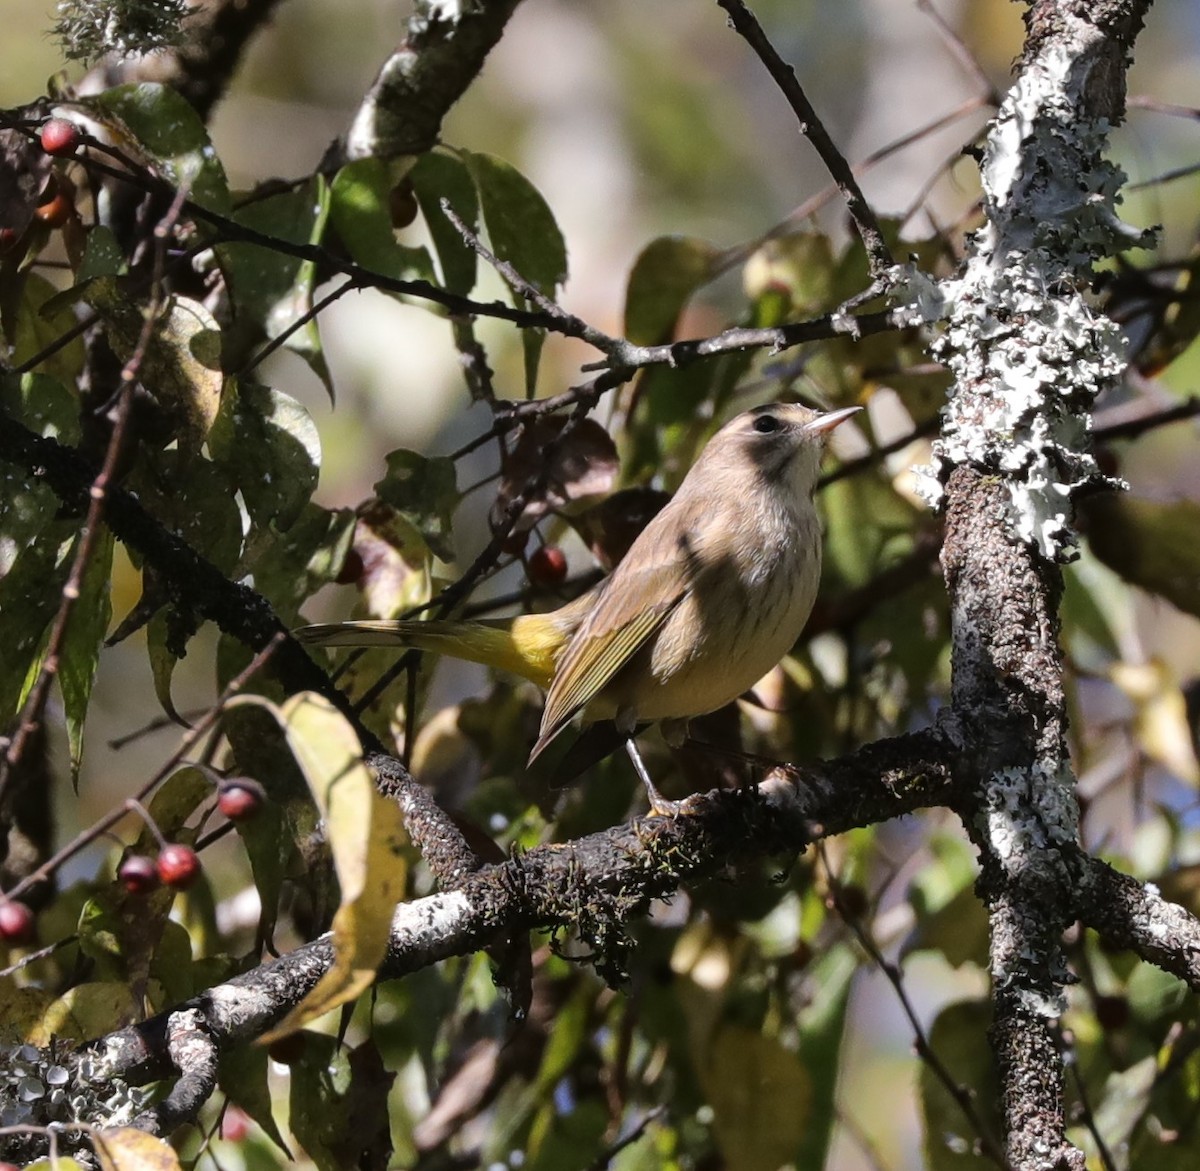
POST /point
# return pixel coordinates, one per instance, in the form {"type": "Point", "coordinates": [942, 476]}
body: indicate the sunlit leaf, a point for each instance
{"type": "Point", "coordinates": [269, 446]}
{"type": "Point", "coordinates": [423, 490]}
{"type": "Point", "coordinates": [80, 652]}
{"type": "Point", "coordinates": [158, 123]}
{"type": "Point", "coordinates": [367, 836]}
{"type": "Point", "coordinates": [360, 213]}
{"type": "Point", "coordinates": [1160, 716]}
{"type": "Point", "coordinates": [439, 176]}
{"type": "Point", "coordinates": [126, 1149]}
{"type": "Point", "coordinates": [270, 290]}
{"type": "Point", "coordinates": [665, 275]}
{"type": "Point", "coordinates": [86, 1011]}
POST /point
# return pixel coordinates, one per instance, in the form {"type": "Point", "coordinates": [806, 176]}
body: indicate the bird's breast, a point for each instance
{"type": "Point", "coordinates": [746, 606]}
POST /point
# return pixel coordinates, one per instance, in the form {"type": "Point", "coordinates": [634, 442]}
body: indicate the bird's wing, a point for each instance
{"type": "Point", "coordinates": [619, 625]}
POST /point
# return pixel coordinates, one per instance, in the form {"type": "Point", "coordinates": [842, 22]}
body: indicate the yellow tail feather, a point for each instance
{"type": "Point", "coordinates": [527, 645]}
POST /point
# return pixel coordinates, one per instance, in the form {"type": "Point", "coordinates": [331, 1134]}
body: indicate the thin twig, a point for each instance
{"type": "Point", "coordinates": [879, 256]}
{"type": "Point", "coordinates": [105, 823]}
{"type": "Point", "coordinates": [960, 1094]}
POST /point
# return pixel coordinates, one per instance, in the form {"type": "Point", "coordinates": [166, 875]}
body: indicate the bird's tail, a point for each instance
{"type": "Point", "coordinates": [527, 645]}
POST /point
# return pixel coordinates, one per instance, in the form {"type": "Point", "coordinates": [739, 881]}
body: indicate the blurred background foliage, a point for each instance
{"type": "Point", "coordinates": [756, 1027]}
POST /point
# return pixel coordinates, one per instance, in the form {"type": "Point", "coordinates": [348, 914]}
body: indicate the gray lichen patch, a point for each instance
{"type": "Point", "coordinates": [1028, 352]}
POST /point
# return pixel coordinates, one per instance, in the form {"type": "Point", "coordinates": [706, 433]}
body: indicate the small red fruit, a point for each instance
{"type": "Point", "coordinates": [240, 798]}
{"type": "Point", "coordinates": [16, 923]}
{"type": "Point", "coordinates": [60, 137]}
{"type": "Point", "coordinates": [55, 211]}
{"type": "Point", "coordinates": [352, 569]}
{"type": "Point", "coordinates": [235, 1124]}
{"type": "Point", "coordinates": [547, 566]}
{"type": "Point", "coordinates": [178, 866]}
{"type": "Point", "coordinates": [138, 874]}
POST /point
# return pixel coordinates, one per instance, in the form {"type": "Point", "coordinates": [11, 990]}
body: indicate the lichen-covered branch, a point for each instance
{"type": "Point", "coordinates": [593, 886]}
{"type": "Point", "coordinates": [402, 112]}
{"type": "Point", "coordinates": [1029, 357]}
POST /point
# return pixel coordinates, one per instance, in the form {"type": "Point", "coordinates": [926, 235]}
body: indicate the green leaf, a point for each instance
{"type": "Point", "coordinates": [30, 594]}
{"type": "Point", "coordinates": [242, 1074]}
{"type": "Point", "coordinates": [822, 1025]}
{"type": "Point", "coordinates": [799, 268]}
{"type": "Point", "coordinates": [361, 215]}
{"type": "Point", "coordinates": [520, 225]}
{"type": "Point", "coordinates": [867, 522]}
{"type": "Point", "coordinates": [39, 325]}
{"type": "Point", "coordinates": [665, 275]}
{"type": "Point", "coordinates": [949, 1138]}
{"type": "Point", "coordinates": [192, 499]}
{"type": "Point", "coordinates": [1151, 545]}
{"type": "Point", "coordinates": [316, 1114]}
{"type": "Point", "coordinates": [86, 1011]}
{"type": "Point", "coordinates": [290, 565]}
{"type": "Point", "coordinates": [423, 490]}
{"type": "Point", "coordinates": [161, 124]}
{"type": "Point", "coordinates": [269, 447]}
{"type": "Point", "coordinates": [102, 256]}
{"type": "Point", "coordinates": [761, 1096]}
{"type": "Point", "coordinates": [81, 645]}
{"type": "Point", "coordinates": [270, 290]}
{"type": "Point", "coordinates": [439, 176]}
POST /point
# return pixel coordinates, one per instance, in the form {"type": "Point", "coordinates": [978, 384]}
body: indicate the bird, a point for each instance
{"type": "Point", "coordinates": [711, 595]}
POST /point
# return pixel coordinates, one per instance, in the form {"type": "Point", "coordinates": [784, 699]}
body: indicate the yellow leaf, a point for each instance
{"type": "Point", "coordinates": [367, 837]}
{"type": "Point", "coordinates": [1160, 716]}
{"type": "Point", "coordinates": [126, 1149]}
{"type": "Point", "coordinates": [86, 1011]}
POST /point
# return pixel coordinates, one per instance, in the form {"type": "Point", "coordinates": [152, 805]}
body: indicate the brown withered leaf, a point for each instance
{"type": "Point", "coordinates": [610, 527]}
{"type": "Point", "coordinates": [578, 467]}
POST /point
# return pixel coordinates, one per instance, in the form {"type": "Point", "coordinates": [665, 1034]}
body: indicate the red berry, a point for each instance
{"type": "Point", "coordinates": [55, 211]}
{"type": "Point", "coordinates": [60, 137]}
{"type": "Point", "coordinates": [178, 866]}
{"type": "Point", "coordinates": [138, 874]}
{"type": "Point", "coordinates": [352, 569]}
{"type": "Point", "coordinates": [288, 1050]}
{"type": "Point", "coordinates": [16, 923]}
{"type": "Point", "coordinates": [547, 566]}
{"type": "Point", "coordinates": [235, 1124]}
{"type": "Point", "coordinates": [8, 237]}
{"type": "Point", "coordinates": [240, 798]}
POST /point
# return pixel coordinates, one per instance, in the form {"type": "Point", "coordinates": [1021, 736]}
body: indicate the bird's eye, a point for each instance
{"type": "Point", "coordinates": [766, 424]}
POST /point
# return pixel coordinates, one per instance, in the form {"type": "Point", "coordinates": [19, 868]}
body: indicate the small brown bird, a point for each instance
{"type": "Point", "coordinates": [711, 595]}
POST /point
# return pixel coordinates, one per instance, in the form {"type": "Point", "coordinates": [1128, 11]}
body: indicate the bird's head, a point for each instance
{"type": "Point", "coordinates": [779, 443]}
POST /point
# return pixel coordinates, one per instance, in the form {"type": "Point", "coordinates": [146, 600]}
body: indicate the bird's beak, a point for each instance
{"type": "Point", "coordinates": [823, 424]}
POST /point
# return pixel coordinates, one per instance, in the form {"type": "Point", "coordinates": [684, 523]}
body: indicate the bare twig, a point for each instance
{"type": "Point", "coordinates": [878, 254]}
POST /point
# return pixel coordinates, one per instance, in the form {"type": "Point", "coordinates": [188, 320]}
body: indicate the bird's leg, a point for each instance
{"type": "Point", "coordinates": [659, 805]}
